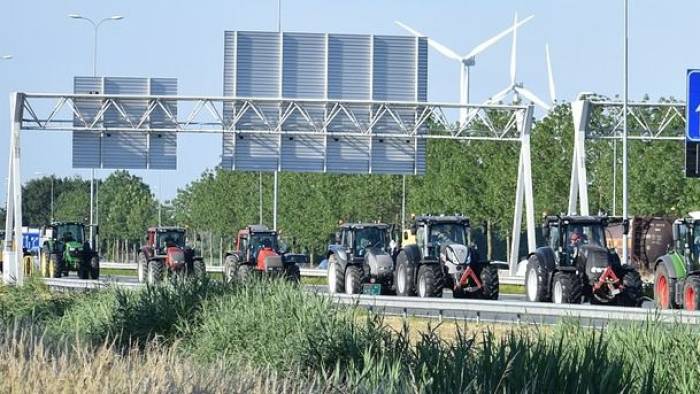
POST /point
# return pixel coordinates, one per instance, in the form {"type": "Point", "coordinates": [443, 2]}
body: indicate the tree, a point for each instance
{"type": "Point", "coordinates": [36, 197]}
{"type": "Point", "coordinates": [72, 206]}
{"type": "Point", "coordinates": [126, 207]}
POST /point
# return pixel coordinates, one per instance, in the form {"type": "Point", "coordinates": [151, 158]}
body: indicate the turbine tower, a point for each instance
{"type": "Point", "coordinates": [466, 61]}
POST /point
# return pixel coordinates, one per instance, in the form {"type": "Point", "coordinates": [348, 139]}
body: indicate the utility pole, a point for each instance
{"type": "Point", "coordinates": [625, 98]}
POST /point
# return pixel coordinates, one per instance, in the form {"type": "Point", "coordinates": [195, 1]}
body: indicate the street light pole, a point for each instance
{"type": "Point", "coordinates": [96, 27]}
{"type": "Point", "coordinates": [625, 98]}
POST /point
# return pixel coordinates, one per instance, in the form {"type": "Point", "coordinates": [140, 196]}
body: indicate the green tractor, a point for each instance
{"type": "Point", "coordinates": [677, 273]}
{"type": "Point", "coordinates": [64, 248]}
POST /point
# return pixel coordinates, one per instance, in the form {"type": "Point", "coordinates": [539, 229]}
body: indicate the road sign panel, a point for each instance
{"type": "Point", "coordinates": [693, 105]}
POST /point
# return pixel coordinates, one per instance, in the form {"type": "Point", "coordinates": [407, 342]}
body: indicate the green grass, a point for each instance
{"type": "Point", "coordinates": [278, 330]}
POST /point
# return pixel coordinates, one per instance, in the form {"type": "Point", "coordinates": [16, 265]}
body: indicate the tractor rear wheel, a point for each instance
{"type": "Point", "coordinates": [141, 267]}
{"type": "Point", "coordinates": [691, 293]}
{"type": "Point", "coordinates": [95, 267]}
{"type": "Point", "coordinates": [403, 281]}
{"type": "Point", "coordinates": [55, 270]}
{"type": "Point", "coordinates": [489, 282]}
{"type": "Point", "coordinates": [566, 288]}
{"type": "Point", "coordinates": [353, 280]}
{"type": "Point", "coordinates": [155, 272]}
{"type": "Point", "coordinates": [199, 269]}
{"type": "Point", "coordinates": [336, 276]}
{"type": "Point", "coordinates": [44, 264]}
{"type": "Point", "coordinates": [292, 273]}
{"type": "Point", "coordinates": [664, 289]}
{"type": "Point", "coordinates": [535, 282]}
{"type": "Point", "coordinates": [632, 293]}
{"type": "Point", "coordinates": [430, 280]}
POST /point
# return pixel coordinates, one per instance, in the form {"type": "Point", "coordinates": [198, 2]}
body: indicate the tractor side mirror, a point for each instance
{"type": "Point", "coordinates": [626, 227]}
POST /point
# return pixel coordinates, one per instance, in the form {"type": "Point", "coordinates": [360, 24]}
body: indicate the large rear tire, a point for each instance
{"type": "Point", "coordinates": [664, 289]}
{"type": "Point", "coordinates": [95, 267]}
{"type": "Point", "coordinates": [142, 267]}
{"type": "Point", "coordinates": [489, 282]}
{"type": "Point", "coordinates": [566, 288]}
{"type": "Point", "coordinates": [243, 272]}
{"type": "Point", "coordinates": [535, 281]}
{"type": "Point", "coordinates": [55, 270]}
{"type": "Point", "coordinates": [155, 272]}
{"type": "Point", "coordinates": [430, 280]}
{"type": "Point", "coordinates": [691, 293]}
{"type": "Point", "coordinates": [353, 280]}
{"type": "Point", "coordinates": [403, 281]}
{"type": "Point", "coordinates": [84, 269]}
{"type": "Point", "coordinates": [632, 293]}
{"type": "Point", "coordinates": [336, 276]}
{"type": "Point", "coordinates": [44, 264]}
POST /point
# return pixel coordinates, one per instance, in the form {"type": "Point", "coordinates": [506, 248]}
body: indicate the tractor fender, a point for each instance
{"type": "Point", "coordinates": [667, 261]}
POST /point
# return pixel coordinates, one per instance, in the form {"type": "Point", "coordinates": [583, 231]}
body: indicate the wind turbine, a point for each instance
{"type": "Point", "coordinates": [466, 61]}
{"type": "Point", "coordinates": [517, 88]}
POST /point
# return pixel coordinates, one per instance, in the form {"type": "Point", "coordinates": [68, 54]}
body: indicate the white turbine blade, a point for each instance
{"type": "Point", "coordinates": [499, 96]}
{"type": "Point", "coordinates": [436, 45]}
{"type": "Point", "coordinates": [484, 45]}
{"type": "Point", "coordinates": [532, 97]}
{"type": "Point", "coordinates": [513, 51]}
{"type": "Point", "coordinates": [550, 75]}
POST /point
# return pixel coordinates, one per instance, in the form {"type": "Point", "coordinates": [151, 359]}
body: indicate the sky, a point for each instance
{"type": "Point", "coordinates": [184, 39]}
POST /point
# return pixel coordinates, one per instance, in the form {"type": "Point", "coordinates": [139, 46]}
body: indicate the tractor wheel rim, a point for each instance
{"type": "Point", "coordinates": [422, 291]}
{"type": "Point", "coordinates": [558, 293]}
{"type": "Point", "coordinates": [349, 283]}
{"type": "Point", "coordinates": [690, 299]}
{"type": "Point", "coordinates": [331, 278]}
{"type": "Point", "coordinates": [532, 285]}
{"type": "Point", "coordinates": [402, 279]}
{"type": "Point", "coordinates": [662, 291]}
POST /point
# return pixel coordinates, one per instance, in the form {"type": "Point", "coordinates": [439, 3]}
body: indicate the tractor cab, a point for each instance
{"type": "Point", "coordinates": [258, 249]}
{"type": "Point", "coordinates": [256, 238]}
{"type": "Point", "coordinates": [357, 238]}
{"type": "Point", "coordinates": [432, 233]}
{"type": "Point", "coordinates": [65, 232]}
{"type": "Point", "coordinates": [64, 248]}
{"type": "Point", "coordinates": [566, 235]}
{"type": "Point", "coordinates": [686, 241]}
{"type": "Point", "coordinates": [162, 238]}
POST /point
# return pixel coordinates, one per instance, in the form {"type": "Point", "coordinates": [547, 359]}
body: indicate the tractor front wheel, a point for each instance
{"type": "Point", "coordinates": [430, 280]}
{"type": "Point", "coordinates": [566, 288]}
{"type": "Point", "coordinates": [664, 288]}
{"type": "Point", "coordinates": [141, 268]}
{"type": "Point", "coordinates": [691, 293]}
{"type": "Point", "coordinates": [403, 281]}
{"type": "Point", "coordinates": [489, 282]}
{"type": "Point", "coordinates": [292, 273]}
{"type": "Point", "coordinates": [84, 269]}
{"type": "Point", "coordinates": [632, 293]}
{"type": "Point", "coordinates": [229, 268]}
{"type": "Point", "coordinates": [155, 272]}
{"type": "Point", "coordinates": [336, 276]}
{"type": "Point", "coordinates": [243, 272]}
{"type": "Point", "coordinates": [353, 282]}
{"type": "Point", "coordinates": [535, 281]}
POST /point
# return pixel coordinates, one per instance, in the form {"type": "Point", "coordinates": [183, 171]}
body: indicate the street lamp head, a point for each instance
{"type": "Point", "coordinates": [75, 16]}
{"type": "Point", "coordinates": [7, 57]}
{"type": "Point", "coordinates": [116, 17]}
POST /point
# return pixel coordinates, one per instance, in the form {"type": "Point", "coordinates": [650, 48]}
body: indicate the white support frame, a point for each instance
{"type": "Point", "coordinates": [62, 114]}
{"type": "Point", "coordinates": [588, 111]}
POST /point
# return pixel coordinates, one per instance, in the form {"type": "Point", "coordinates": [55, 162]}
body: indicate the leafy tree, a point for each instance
{"type": "Point", "coordinates": [36, 197]}
{"type": "Point", "coordinates": [73, 206]}
{"type": "Point", "coordinates": [127, 207]}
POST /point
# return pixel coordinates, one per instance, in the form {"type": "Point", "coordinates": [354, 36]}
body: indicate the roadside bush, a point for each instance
{"type": "Point", "coordinates": [32, 303]}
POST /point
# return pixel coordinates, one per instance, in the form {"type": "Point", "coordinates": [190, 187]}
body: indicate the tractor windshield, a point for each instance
{"type": "Point", "coordinates": [263, 240]}
{"type": "Point", "coordinates": [585, 234]}
{"type": "Point", "coordinates": [696, 240]}
{"type": "Point", "coordinates": [168, 238]}
{"type": "Point", "coordinates": [369, 237]}
{"type": "Point", "coordinates": [70, 232]}
{"type": "Point", "coordinates": [448, 233]}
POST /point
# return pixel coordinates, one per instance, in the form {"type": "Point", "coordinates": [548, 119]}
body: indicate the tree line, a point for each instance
{"type": "Point", "coordinates": [476, 178]}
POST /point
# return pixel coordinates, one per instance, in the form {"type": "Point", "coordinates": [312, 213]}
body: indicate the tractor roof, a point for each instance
{"type": "Point", "coordinates": [695, 215]}
{"type": "Point", "coordinates": [435, 219]}
{"type": "Point", "coordinates": [67, 223]}
{"type": "Point", "coordinates": [575, 219]}
{"type": "Point", "coordinates": [256, 228]}
{"type": "Point", "coordinates": [166, 228]}
{"type": "Point", "coordinates": [357, 226]}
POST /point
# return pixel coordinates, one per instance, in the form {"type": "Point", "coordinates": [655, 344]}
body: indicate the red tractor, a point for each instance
{"type": "Point", "coordinates": [258, 250]}
{"type": "Point", "coordinates": [165, 253]}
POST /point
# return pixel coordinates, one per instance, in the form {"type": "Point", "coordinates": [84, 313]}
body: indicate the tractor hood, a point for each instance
{"type": "Point", "coordinates": [380, 263]}
{"type": "Point", "coordinates": [455, 253]}
{"type": "Point", "coordinates": [594, 259]}
{"type": "Point", "coordinates": [175, 257]}
{"type": "Point", "coordinates": [269, 260]}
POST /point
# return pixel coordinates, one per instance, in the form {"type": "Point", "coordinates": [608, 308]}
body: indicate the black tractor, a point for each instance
{"type": "Point", "coordinates": [576, 265]}
{"type": "Point", "coordinates": [361, 254]}
{"type": "Point", "coordinates": [437, 254]}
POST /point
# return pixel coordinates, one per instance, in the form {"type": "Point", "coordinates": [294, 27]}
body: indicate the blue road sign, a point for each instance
{"type": "Point", "coordinates": [692, 111]}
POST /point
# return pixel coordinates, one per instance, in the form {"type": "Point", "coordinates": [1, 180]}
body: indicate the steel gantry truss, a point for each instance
{"type": "Point", "coordinates": [596, 119]}
{"type": "Point", "coordinates": [205, 114]}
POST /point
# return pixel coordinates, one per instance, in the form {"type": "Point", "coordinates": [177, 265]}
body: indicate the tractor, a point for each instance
{"type": "Point", "coordinates": [441, 257]}
{"type": "Point", "coordinates": [360, 255]}
{"type": "Point", "coordinates": [259, 250]}
{"type": "Point", "coordinates": [64, 248]}
{"type": "Point", "coordinates": [677, 273]}
{"type": "Point", "coordinates": [166, 253]}
{"type": "Point", "coordinates": [576, 265]}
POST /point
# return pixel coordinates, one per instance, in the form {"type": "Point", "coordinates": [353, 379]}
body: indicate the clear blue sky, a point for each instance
{"type": "Point", "coordinates": [184, 39]}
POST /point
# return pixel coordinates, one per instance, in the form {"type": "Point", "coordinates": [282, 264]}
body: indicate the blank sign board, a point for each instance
{"type": "Point", "coordinates": [326, 67]}
{"type": "Point", "coordinates": [111, 146]}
